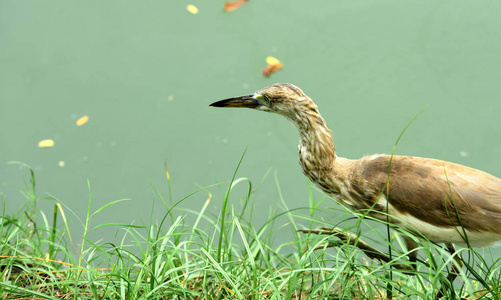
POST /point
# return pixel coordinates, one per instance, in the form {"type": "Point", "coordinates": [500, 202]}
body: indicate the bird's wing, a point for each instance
{"type": "Point", "coordinates": [437, 192]}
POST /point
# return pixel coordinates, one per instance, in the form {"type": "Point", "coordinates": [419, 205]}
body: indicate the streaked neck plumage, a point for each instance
{"type": "Point", "coordinates": [317, 154]}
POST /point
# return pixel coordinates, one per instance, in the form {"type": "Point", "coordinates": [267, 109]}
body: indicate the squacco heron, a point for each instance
{"type": "Point", "coordinates": [442, 201]}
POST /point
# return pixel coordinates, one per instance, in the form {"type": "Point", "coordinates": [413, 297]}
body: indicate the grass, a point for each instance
{"type": "Point", "coordinates": [219, 257]}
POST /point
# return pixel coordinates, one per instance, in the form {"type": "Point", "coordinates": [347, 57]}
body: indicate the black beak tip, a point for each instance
{"type": "Point", "coordinates": [218, 104]}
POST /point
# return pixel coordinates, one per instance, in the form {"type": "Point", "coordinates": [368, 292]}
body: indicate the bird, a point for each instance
{"type": "Point", "coordinates": [441, 201]}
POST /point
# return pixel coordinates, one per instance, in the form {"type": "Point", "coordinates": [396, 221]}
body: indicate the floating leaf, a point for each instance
{"type": "Point", "coordinates": [272, 61]}
{"type": "Point", "coordinates": [273, 66]}
{"type": "Point", "coordinates": [232, 5]}
{"type": "Point", "coordinates": [82, 120]}
{"type": "Point", "coordinates": [192, 9]}
{"type": "Point", "coordinates": [46, 143]}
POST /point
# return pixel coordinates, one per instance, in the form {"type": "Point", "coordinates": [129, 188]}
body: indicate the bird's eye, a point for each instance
{"type": "Point", "coordinates": [266, 99]}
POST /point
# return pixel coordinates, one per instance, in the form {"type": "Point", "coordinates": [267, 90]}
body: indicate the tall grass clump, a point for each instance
{"type": "Point", "coordinates": [198, 254]}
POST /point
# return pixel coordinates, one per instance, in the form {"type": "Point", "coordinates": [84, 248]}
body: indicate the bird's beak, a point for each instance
{"type": "Point", "coordinates": [248, 101]}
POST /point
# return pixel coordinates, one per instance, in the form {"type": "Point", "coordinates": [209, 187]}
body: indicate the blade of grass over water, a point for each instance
{"type": "Point", "coordinates": [389, 291]}
{"type": "Point", "coordinates": [224, 207]}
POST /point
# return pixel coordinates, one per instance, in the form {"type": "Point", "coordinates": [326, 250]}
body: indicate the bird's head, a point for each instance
{"type": "Point", "coordinates": [282, 98]}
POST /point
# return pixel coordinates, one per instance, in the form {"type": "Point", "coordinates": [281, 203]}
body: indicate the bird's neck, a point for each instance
{"type": "Point", "coordinates": [316, 150]}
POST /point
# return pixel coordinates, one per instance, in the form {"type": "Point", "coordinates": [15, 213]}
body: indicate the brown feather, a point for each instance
{"type": "Point", "coordinates": [437, 192]}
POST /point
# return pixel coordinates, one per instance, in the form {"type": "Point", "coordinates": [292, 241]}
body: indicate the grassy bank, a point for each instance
{"type": "Point", "coordinates": [220, 257]}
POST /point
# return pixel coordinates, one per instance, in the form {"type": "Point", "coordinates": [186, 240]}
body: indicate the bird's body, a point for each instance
{"type": "Point", "coordinates": [416, 194]}
{"type": "Point", "coordinates": [435, 199]}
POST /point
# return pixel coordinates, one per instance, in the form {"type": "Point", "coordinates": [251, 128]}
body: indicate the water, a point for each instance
{"type": "Point", "coordinates": [145, 75]}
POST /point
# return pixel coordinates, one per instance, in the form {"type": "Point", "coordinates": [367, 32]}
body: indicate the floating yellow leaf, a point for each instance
{"type": "Point", "coordinates": [82, 120]}
{"type": "Point", "coordinates": [46, 143]}
{"type": "Point", "coordinates": [272, 61]}
{"type": "Point", "coordinates": [192, 9]}
{"type": "Point", "coordinates": [232, 5]}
